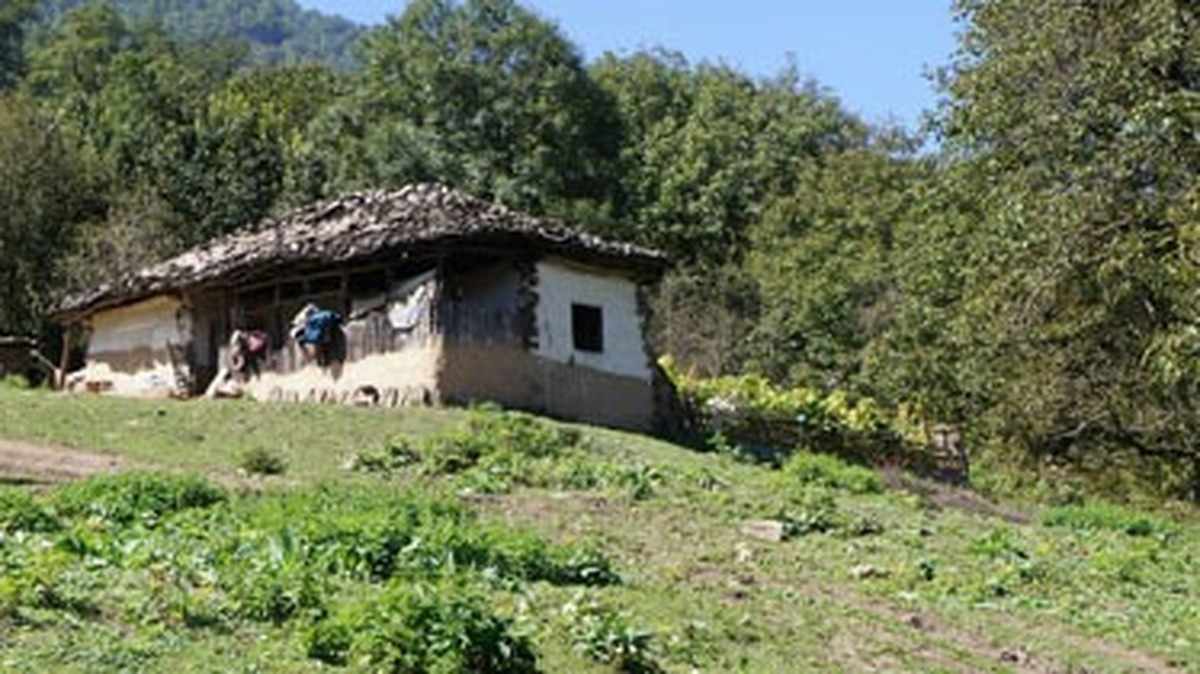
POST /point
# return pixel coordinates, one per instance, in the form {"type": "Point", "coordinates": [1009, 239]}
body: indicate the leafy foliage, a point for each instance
{"type": "Point", "coordinates": [419, 627]}
{"type": "Point", "coordinates": [746, 413]}
{"type": "Point", "coordinates": [607, 636]}
{"type": "Point", "coordinates": [498, 451]}
{"type": "Point", "coordinates": [125, 498]}
{"type": "Point", "coordinates": [1073, 127]}
{"type": "Point", "coordinates": [19, 511]}
{"type": "Point", "coordinates": [832, 473]}
{"type": "Point", "coordinates": [1107, 516]}
{"type": "Point", "coordinates": [373, 578]}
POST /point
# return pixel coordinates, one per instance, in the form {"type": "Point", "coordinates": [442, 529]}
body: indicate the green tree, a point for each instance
{"type": "Point", "coordinates": [706, 147]}
{"type": "Point", "coordinates": [161, 120]}
{"type": "Point", "coordinates": [1077, 125]}
{"type": "Point", "coordinates": [44, 189]}
{"type": "Point", "coordinates": [823, 260]}
{"type": "Point", "coordinates": [484, 95]}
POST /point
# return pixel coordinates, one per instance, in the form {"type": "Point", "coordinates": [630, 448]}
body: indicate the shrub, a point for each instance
{"type": "Point", "coordinates": [423, 627]}
{"type": "Point", "coordinates": [607, 636]}
{"type": "Point", "coordinates": [396, 454]}
{"type": "Point", "coordinates": [815, 512]}
{"type": "Point", "coordinates": [330, 641]}
{"type": "Point", "coordinates": [822, 470]}
{"type": "Point", "coordinates": [753, 420]}
{"type": "Point", "coordinates": [1098, 516]}
{"type": "Point", "coordinates": [503, 446]}
{"type": "Point", "coordinates": [16, 382]}
{"type": "Point", "coordinates": [127, 497]}
{"type": "Point", "coordinates": [19, 511]}
{"type": "Point", "coordinates": [261, 461]}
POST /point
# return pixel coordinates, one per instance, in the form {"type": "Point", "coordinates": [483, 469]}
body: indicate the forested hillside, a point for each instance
{"type": "Point", "coordinates": [277, 31]}
{"type": "Point", "coordinates": [1033, 282]}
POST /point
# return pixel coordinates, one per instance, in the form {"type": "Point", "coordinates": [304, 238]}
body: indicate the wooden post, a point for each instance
{"type": "Point", "coordinates": [64, 359]}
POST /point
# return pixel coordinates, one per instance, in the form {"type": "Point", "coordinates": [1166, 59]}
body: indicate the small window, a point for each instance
{"type": "Point", "coordinates": [587, 328]}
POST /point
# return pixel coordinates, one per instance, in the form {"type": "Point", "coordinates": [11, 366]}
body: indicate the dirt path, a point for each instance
{"type": "Point", "coordinates": [29, 462]}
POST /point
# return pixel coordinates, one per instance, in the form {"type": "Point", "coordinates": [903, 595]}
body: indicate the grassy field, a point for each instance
{"type": "Point", "coordinates": [583, 549]}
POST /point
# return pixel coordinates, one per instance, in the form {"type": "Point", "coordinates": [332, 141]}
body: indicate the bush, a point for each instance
{"type": "Point", "coordinates": [1098, 516]}
{"type": "Point", "coordinates": [261, 461]}
{"type": "Point", "coordinates": [815, 511]}
{"type": "Point", "coordinates": [831, 472]}
{"type": "Point", "coordinates": [423, 627]}
{"type": "Point", "coordinates": [503, 446]}
{"type": "Point", "coordinates": [19, 511]}
{"type": "Point", "coordinates": [124, 498]}
{"type": "Point", "coordinates": [607, 636]}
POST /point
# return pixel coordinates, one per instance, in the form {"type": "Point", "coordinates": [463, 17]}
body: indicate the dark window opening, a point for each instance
{"type": "Point", "coordinates": [587, 328]}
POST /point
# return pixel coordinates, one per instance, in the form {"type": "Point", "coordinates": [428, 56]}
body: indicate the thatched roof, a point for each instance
{"type": "Point", "coordinates": [359, 226]}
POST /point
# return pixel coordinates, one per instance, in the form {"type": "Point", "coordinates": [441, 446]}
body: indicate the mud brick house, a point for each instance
{"type": "Point", "coordinates": [427, 296]}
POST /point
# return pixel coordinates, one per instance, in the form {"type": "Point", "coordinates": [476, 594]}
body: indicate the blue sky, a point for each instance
{"type": "Point", "coordinates": [872, 54]}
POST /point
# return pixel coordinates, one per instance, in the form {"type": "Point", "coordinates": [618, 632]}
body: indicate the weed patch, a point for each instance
{"type": "Point", "coordinates": [377, 578]}
{"type": "Point", "coordinates": [822, 470]}
{"type": "Point", "coordinates": [1102, 516]}
{"type": "Point", "coordinates": [495, 452]}
{"type": "Point", "coordinates": [128, 497]}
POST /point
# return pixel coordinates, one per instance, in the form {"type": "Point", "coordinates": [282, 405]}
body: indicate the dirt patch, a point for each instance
{"type": "Point", "coordinates": [27, 462]}
{"type": "Point", "coordinates": [940, 496]}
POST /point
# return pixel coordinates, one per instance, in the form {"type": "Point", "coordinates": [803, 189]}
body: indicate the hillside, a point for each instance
{"type": "Point", "coordinates": [278, 31]}
{"type": "Point", "coordinates": [522, 545]}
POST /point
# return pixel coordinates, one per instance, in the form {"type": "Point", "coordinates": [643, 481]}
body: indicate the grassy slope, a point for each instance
{"type": "Point", "coordinates": [949, 590]}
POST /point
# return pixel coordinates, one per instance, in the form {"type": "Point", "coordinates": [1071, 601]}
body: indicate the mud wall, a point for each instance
{"type": "Point", "coordinates": [139, 349]}
{"type": "Point", "coordinates": [517, 378]}
{"type": "Point", "coordinates": [407, 376]}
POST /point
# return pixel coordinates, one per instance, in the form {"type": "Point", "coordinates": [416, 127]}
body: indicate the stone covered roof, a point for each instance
{"type": "Point", "coordinates": [357, 226]}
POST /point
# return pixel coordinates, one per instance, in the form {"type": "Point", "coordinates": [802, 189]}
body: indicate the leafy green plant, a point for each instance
{"type": "Point", "coordinates": [126, 497]}
{"type": "Point", "coordinates": [495, 451]}
{"type": "Point", "coordinates": [1104, 516]}
{"type": "Point", "coordinates": [424, 627]}
{"type": "Point", "coordinates": [823, 470]}
{"type": "Point", "coordinates": [262, 461]}
{"type": "Point", "coordinates": [19, 511]}
{"type": "Point", "coordinates": [814, 511]}
{"type": "Point", "coordinates": [607, 636]}
{"type": "Point", "coordinates": [754, 421]}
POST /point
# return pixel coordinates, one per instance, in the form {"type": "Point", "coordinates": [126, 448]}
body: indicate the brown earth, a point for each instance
{"type": "Point", "coordinates": [25, 462]}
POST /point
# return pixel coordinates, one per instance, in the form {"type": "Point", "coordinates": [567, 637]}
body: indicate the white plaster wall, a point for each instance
{"type": "Point", "coordinates": [559, 286]}
{"type": "Point", "coordinates": [150, 324]}
{"type": "Point", "coordinates": [136, 333]}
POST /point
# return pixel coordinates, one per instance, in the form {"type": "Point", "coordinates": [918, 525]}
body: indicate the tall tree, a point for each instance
{"type": "Point", "coordinates": [159, 117]}
{"type": "Point", "coordinates": [705, 147]}
{"type": "Point", "coordinates": [482, 94]}
{"type": "Point", "coordinates": [44, 190]}
{"type": "Point", "coordinates": [1077, 123]}
{"type": "Point", "coordinates": [823, 260]}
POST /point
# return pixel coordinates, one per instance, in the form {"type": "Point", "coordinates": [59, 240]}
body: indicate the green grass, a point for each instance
{"type": "Point", "coordinates": [868, 578]}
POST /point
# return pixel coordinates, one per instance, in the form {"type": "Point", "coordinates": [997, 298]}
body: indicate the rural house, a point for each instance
{"type": "Point", "coordinates": [420, 296]}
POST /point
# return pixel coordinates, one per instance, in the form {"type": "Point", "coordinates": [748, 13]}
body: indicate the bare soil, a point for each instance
{"type": "Point", "coordinates": [26, 462]}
